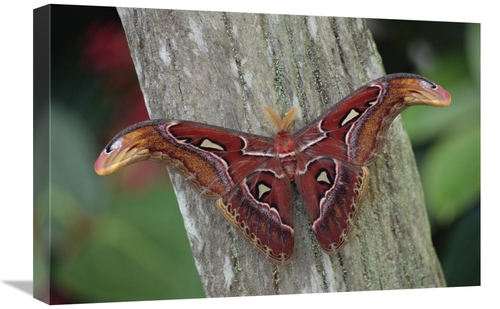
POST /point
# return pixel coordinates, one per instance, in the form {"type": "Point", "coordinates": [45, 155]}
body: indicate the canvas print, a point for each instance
{"type": "Point", "coordinates": [191, 154]}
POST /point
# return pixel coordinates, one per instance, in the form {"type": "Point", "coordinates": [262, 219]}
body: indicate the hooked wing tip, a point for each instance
{"type": "Point", "coordinates": [444, 97]}
{"type": "Point", "coordinates": [101, 164]}
{"type": "Point", "coordinates": [121, 152]}
{"type": "Point", "coordinates": [425, 92]}
{"type": "Point", "coordinates": [129, 146]}
{"type": "Point", "coordinates": [106, 163]}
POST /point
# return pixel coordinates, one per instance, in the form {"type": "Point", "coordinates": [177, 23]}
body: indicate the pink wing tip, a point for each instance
{"type": "Point", "coordinates": [100, 165]}
{"type": "Point", "coordinates": [425, 94]}
{"type": "Point", "coordinates": [445, 98]}
{"type": "Point", "coordinates": [106, 162]}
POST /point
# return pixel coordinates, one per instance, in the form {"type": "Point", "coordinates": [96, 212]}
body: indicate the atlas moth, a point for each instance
{"type": "Point", "coordinates": [250, 175]}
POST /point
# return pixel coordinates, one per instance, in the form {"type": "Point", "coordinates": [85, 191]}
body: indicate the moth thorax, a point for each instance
{"type": "Point", "coordinates": [286, 147]}
{"type": "Point", "coordinates": [284, 143]}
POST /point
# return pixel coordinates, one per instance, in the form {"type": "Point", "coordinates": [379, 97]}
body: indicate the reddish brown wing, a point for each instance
{"type": "Point", "coordinates": [332, 191]}
{"type": "Point", "coordinates": [212, 159]}
{"type": "Point", "coordinates": [334, 149]}
{"type": "Point", "coordinates": [353, 130]}
{"type": "Point", "coordinates": [241, 170]}
{"type": "Point", "coordinates": [244, 171]}
{"type": "Point", "coordinates": [260, 209]}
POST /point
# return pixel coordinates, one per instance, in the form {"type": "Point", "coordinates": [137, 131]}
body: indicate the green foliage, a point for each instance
{"type": "Point", "coordinates": [137, 249]}
{"type": "Point", "coordinates": [451, 191]}
{"type": "Point", "coordinates": [460, 253]}
{"type": "Point", "coordinates": [450, 167]}
{"type": "Point", "coordinates": [110, 245]}
{"type": "Point", "coordinates": [446, 141]}
{"type": "Point", "coordinates": [450, 159]}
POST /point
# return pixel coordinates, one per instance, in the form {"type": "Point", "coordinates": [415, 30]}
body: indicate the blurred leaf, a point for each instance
{"type": "Point", "coordinates": [450, 190]}
{"type": "Point", "coordinates": [461, 252]}
{"type": "Point", "coordinates": [41, 273]}
{"type": "Point", "coordinates": [451, 167]}
{"type": "Point", "coordinates": [138, 250]}
{"type": "Point", "coordinates": [132, 246]}
{"type": "Point", "coordinates": [65, 215]}
{"type": "Point", "coordinates": [423, 123]}
{"type": "Point", "coordinates": [41, 245]}
{"type": "Point", "coordinates": [473, 50]}
{"type": "Point", "coordinates": [448, 54]}
{"type": "Point", "coordinates": [72, 157]}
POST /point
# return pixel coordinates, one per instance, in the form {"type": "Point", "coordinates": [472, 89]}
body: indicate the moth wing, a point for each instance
{"type": "Point", "coordinates": [212, 159]}
{"type": "Point", "coordinates": [335, 148]}
{"type": "Point", "coordinates": [354, 129]}
{"type": "Point", "coordinates": [332, 191]}
{"type": "Point", "coordinates": [259, 208]}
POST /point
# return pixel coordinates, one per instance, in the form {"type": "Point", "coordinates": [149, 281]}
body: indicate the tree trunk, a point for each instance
{"type": "Point", "coordinates": [221, 68]}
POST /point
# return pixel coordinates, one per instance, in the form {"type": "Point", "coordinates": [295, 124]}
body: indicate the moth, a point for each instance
{"type": "Point", "coordinates": [250, 175]}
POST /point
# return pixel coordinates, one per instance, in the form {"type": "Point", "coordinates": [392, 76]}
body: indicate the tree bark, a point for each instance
{"type": "Point", "coordinates": [221, 68]}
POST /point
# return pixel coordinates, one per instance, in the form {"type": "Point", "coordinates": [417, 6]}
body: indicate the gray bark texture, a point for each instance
{"type": "Point", "coordinates": [221, 68]}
